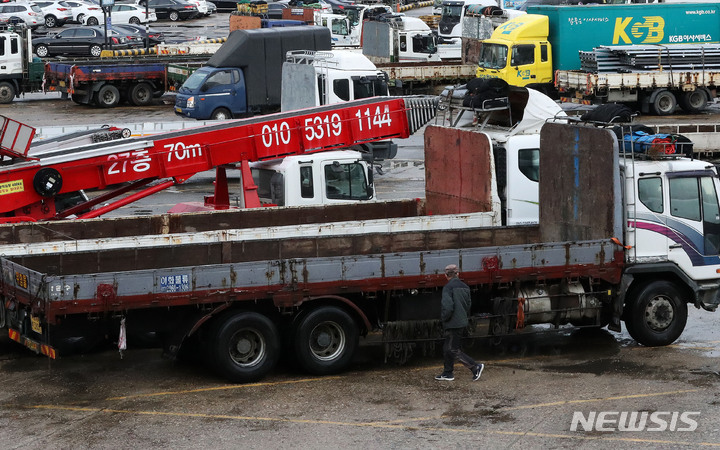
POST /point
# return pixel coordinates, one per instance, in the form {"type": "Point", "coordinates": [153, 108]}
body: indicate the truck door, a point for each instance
{"type": "Point", "coordinates": [225, 88]}
{"type": "Point", "coordinates": [521, 173]}
{"type": "Point", "coordinates": [11, 54]}
{"type": "Point", "coordinates": [522, 63]}
{"type": "Point", "coordinates": [694, 222]}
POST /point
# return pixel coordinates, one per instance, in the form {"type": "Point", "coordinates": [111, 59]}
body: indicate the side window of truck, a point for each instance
{"type": "Point", "coordinates": [529, 163]}
{"type": "Point", "coordinates": [543, 53]}
{"type": "Point", "coordinates": [14, 46]}
{"type": "Point", "coordinates": [306, 182]}
{"type": "Point", "coordinates": [685, 198]}
{"type": "Point", "coordinates": [341, 88]}
{"type": "Point", "coordinates": [522, 55]}
{"type": "Point", "coordinates": [650, 193]}
{"type": "Point", "coordinates": [2, 45]}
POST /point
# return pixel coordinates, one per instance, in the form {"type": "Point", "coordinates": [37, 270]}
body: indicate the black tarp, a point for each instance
{"type": "Point", "coordinates": [261, 53]}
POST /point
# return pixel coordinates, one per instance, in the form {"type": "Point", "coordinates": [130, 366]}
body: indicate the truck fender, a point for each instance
{"type": "Point", "coordinates": [661, 271]}
{"type": "Point", "coordinates": [346, 302]}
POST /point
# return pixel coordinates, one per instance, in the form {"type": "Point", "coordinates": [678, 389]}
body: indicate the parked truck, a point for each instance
{"type": "Point", "coordinates": [638, 246]}
{"type": "Point", "coordinates": [243, 77]}
{"type": "Point", "coordinates": [541, 50]}
{"type": "Point", "coordinates": [104, 82]}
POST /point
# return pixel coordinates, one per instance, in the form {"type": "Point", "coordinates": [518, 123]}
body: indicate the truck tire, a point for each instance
{"type": "Point", "coordinates": [50, 22]}
{"type": "Point", "coordinates": [92, 21]}
{"type": "Point", "coordinates": [174, 16]}
{"type": "Point", "coordinates": [657, 314]}
{"type": "Point", "coordinates": [244, 346]}
{"type": "Point", "coordinates": [108, 96]}
{"type": "Point", "coordinates": [42, 51]}
{"type": "Point", "coordinates": [693, 102]}
{"type": "Point", "coordinates": [664, 103]}
{"type": "Point", "coordinates": [221, 114]}
{"type": "Point", "coordinates": [7, 92]}
{"type": "Point", "coordinates": [325, 340]}
{"type": "Point", "coordinates": [141, 94]}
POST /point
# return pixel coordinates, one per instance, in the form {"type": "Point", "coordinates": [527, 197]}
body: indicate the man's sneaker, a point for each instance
{"type": "Point", "coordinates": [445, 377]}
{"type": "Point", "coordinates": [478, 371]}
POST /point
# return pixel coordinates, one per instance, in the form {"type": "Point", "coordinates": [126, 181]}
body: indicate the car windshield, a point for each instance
{"type": "Point", "coordinates": [493, 56]}
{"type": "Point", "coordinates": [195, 80]}
{"type": "Point", "coordinates": [36, 8]}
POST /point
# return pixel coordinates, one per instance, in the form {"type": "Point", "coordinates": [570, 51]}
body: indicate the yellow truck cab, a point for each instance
{"type": "Point", "coordinates": [518, 52]}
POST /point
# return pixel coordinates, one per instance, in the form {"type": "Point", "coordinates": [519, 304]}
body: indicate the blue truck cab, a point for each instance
{"type": "Point", "coordinates": [213, 93]}
{"type": "Point", "coordinates": [244, 76]}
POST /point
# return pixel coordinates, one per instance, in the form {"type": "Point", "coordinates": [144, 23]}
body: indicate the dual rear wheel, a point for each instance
{"type": "Point", "coordinates": [245, 346]}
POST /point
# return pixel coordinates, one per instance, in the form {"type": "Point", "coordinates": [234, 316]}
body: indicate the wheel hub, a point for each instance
{"type": "Point", "coordinates": [659, 313]}
{"type": "Point", "coordinates": [327, 341]}
{"type": "Point", "coordinates": [247, 347]}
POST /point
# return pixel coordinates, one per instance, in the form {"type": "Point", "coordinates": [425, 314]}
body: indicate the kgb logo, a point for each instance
{"type": "Point", "coordinates": [650, 31]}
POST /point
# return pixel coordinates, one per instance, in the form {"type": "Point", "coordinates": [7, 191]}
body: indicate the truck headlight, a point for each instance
{"type": "Point", "coordinates": [191, 102]}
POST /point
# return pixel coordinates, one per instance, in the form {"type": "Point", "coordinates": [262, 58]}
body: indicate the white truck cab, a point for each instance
{"type": "Point", "coordinates": [340, 176]}
{"type": "Point", "coordinates": [330, 77]}
{"type": "Point", "coordinates": [673, 213]}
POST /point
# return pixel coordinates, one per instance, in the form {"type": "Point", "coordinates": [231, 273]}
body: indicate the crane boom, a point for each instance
{"type": "Point", "coordinates": [31, 181]}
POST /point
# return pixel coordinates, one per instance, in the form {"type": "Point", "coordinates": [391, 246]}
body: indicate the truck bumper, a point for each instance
{"type": "Point", "coordinates": [32, 344]}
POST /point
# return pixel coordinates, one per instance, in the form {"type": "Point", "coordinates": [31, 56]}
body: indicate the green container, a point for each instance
{"type": "Point", "coordinates": [582, 28]}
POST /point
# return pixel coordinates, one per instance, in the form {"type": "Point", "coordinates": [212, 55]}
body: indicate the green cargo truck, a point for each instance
{"type": "Point", "coordinates": [541, 50]}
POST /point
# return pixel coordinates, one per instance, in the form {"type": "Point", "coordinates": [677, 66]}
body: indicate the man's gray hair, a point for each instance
{"type": "Point", "coordinates": [451, 270]}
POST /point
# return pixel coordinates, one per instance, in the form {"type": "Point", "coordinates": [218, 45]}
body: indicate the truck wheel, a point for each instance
{"type": "Point", "coordinates": [693, 102]}
{"type": "Point", "coordinates": [108, 96]}
{"type": "Point", "coordinates": [92, 21]}
{"type": "Point", "coordinates": [665, 103]}
{"type": "Point", "coordinates": [7, 92]}
{"type": "Point", "coordinates": [221, 114]}
{"type": "Point", "coordinates": [42, 51]}
{"type": "Point", "coordinates": [325, 340]}
{"type": "Point", "coordinates": [50, 22]}
{"type": "Point", "coordinates": [657, 315]}
{"type": "Point", "coordinates": [244, 347]}
{"type": "Point", "coordinates": [141, 94]}
{"type": "Point", "coordinates": [174, 16]}
{"type": "Point", "coordinates": [95, 50]}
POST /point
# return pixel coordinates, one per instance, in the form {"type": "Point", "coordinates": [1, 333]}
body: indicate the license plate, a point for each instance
{"type": "Point", "coordinates": [178, 109]}
{"type": "Point", "coordinates": [35, 324]}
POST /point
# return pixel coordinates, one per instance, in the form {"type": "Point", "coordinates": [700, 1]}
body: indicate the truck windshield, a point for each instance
{"type": "Point", "coordinates": [424, 44]}
{"type": "Point", "coordinates": [195, 80]}
{"type": "Point", "coordinates": [365, 87]}
{"type": "Point", "coordinates": [452, 12]}
{"type": "Point", "coordinates": [493, 56]}
{"type": "Point", "coordinates": [346, 181]}
{"type": "Point", "coordinates": [270, 186]}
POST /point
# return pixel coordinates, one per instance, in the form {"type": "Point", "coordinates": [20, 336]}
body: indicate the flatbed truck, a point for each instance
{"type": "Point", "coordinates": [639, 246]}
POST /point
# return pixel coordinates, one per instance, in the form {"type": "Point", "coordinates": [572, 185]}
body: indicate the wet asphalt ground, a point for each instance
{"type": "Point", "coordinates": [530, 390]}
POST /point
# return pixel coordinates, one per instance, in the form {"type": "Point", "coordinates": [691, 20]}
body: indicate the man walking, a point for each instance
{"type": "Point", "coordinates": [454, 314]}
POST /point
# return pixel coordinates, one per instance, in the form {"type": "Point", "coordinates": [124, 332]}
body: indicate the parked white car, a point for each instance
{"type": "Point", "coordinates": [202, 6]}
{"type": "Point", "coordinates": [56, 13]}
{"type": "Point", "coordinates": [121, 13]}
{"type": "Point", "coordinates": [82, 8]}
{"type": "Point", "coordinates": [28, 13]}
